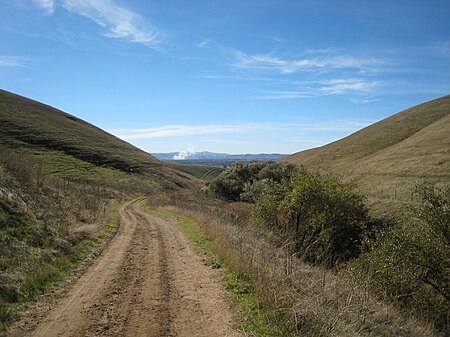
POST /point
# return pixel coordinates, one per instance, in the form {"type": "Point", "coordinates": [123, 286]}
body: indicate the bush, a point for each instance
{"type": "Point", "coordinates": [240, 181]}
{"type": "Point", "coordinates": [231, 182]}
{"type": "Point", "coordinates": [266, 210]}
{"type": "Point", "coordinates": [409, 263]}
{"type": "Point", "coordinates": [323, 218]}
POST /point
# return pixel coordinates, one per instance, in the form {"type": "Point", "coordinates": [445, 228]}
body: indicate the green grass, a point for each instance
{"type": "Point", "coordinates": [35, 273]}
{"type": "Point", "coordinates": [60, 165]}
{"type": "Point", "coordinates": [60, 170]}
{"type": "Point", "coordinates": [24, 121]}
{"type": "Point", "coordinates": [32, 126]}
{"type": "Point", "coordinates": [204, 172]}
{"type": "Point", "coordinates": [243, 295]}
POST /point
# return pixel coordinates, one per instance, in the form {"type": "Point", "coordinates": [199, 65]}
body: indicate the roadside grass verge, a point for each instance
{"type": "Point", "coordinates": [23, 276]}
{"type": "Point", "coordinates": [252, 321]}
{"type": "Point", "coordinates": [293, 298]}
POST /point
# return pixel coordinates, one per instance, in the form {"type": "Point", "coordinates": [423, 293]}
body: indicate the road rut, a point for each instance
{"type": "Point", "coordinates": [147, 282]}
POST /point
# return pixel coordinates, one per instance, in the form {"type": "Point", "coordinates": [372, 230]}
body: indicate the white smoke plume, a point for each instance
{"type": "Point", "coordinates": [182, 155]}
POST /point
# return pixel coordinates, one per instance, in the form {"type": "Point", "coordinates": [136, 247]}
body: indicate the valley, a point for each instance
{"type": "Point", "coordinates": [99, 238]}
{"type": "Point", "coordinates": [224, 168]}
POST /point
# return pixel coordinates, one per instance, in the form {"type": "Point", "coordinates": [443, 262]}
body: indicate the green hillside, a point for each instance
{"type": "Point", "coordinates": [389, 157]}
{"type": "Point", "coordinates": [204, 172]}
{"type": "Point", "coordinates": [69, 145]}
{"type": "Point", "coordinates": [61, 182]}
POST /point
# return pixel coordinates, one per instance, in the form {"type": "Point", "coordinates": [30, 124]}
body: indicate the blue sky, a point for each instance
{"type": "Point", "coordinates": [226, 75]}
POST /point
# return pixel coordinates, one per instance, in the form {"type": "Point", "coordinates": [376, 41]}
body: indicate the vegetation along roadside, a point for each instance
{"type": "Point", "coordinates": [294, 297]}
{"type": "Point", "coordinates": [322, 221]}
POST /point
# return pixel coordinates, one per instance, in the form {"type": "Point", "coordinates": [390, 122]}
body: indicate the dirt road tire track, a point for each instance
{"type": "Point", "coordinates": [147, 282]}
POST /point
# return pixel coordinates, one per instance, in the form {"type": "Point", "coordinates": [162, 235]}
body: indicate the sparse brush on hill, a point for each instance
{"type": "Point", "coordinates": [47, 224]}
{"type": "Point", "coordinates": [408, 264]}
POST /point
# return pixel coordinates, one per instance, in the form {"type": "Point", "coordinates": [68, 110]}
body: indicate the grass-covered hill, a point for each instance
{"type": "Point", "coordinates": [204, 172]}
{"type": "Point", "coordinates": [69, 145]}
{"type": "Point", "coordinates": [389, 157]}
{"type": "Point", "coordinates": [61, 182]}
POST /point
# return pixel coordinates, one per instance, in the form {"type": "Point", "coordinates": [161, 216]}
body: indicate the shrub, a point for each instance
{"type": "Point", "coordinates": [266, 210]}
{"type": "Point", "coordinates": [276, 171]}
{"type": "Point", "coordinates": [323, 218]}
{"type": "Point", "coordinates": [295, 299]}
{"type": "Point", "coordinates": [409, 263]}
{"type": "Point", "coordinates": [243, 182]}
{"type": "Point", "coordinates": [231, 183]}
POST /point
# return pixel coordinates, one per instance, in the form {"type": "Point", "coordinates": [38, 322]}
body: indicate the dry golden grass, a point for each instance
{"type": "Point", "coordinates": [425, 156]}
{"type": "Point", "coordinates": [388, 158]}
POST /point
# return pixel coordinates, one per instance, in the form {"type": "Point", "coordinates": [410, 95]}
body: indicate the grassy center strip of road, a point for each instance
{"type": "Point", "coordinates": [252, 320]}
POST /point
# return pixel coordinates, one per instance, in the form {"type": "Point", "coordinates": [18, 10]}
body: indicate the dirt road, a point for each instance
{"type": "Point", "coordinates": [147, 282]}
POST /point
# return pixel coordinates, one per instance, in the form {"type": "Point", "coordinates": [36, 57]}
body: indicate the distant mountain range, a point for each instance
{"type": "Point", "coordinates": [205, 155]}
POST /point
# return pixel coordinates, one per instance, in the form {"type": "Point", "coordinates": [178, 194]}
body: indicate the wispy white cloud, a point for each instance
{"type": "Point", "coordinates": [224, 141]}
{"type": "Point", "coordinates": [337, 126]}
{"type": "Point", "coordinates": [47, 5]}
{"type": "Point", "coordinates": [247, 78]}
{"type": "Point", "coordinates": [364, 100]}
{"type": "Point", "coordinates": [116, 21]}
{"type": "Point", "coordinates": [178, 130]}
{"type": "Point", "coordinates": [329, 50]}
{"type": "Point", "coordinates": [324, 88]}
{"type": "Point", "coordinates": [214, 129]}
{"type": "Point", "coordinates": [13, 61]}
{"type": "Point", "coordinates": [344, 86]}
{"type": "Point", "coordinates": [441, 48]}
{"type": "Point", "coordinates": [274, 95]}
{"type": "Point", "coordinates": [204, 43]}
{"type": "Point", "coordinates": [289, 66]}
{"type": "Point", "coordinates": [276, 39]}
